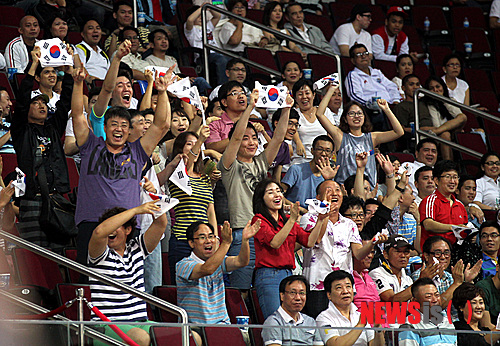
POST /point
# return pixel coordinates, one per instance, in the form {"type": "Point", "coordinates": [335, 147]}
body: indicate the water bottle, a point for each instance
{"type": "Point", "coordinates": [427, 62]}
{"type": "Point", "coordinates": [141, 18]}
{"type": "Point", "coordinates": [427, 24]}
{"type": "Point", "coordinates": [466, 22]}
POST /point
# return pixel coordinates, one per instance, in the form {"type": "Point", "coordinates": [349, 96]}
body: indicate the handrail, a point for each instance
{"type": "Point", "coordinates": [100, 3]}
{"type": "Point", "coordinates": [148, 298]}
{"type": "Point", "coordinates": [207, 47]}
{"type": "Point", "coordinates": [456, 104]}
{"type": "Point", "coordinates": [40, 310]}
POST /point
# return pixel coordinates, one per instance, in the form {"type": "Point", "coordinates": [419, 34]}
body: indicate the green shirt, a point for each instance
{"type": "Point", "coordinates": [491, 298]}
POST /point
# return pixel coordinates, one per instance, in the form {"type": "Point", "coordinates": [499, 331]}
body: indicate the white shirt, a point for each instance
{"type": "Point", "coordinates": [487, 190]}
{"type": "Point", "coordinates": [332, 317]}
{"type": "Point", "coordinates": [495, 10]}
{"type": "Point", "coordinates": [16, 54]}
{"type": "Point", "coordinates": [414, 166]}
{"type": "Point", "coordinates": [346, 35]}
{"type": "Point", "coordinates": [250, 35]}
{"type": "Point", "coordinates": [166, 62]}
{"type": "Point", "coordinates": [378, 48]}
{"type": "Point", "coordinates": [399, 82]}
{"type": "Point", "coordinates": [304, 33]}
{"type": "Point", "coordinates": [459, 92]}
{"type": "Point", "coordinates": [52, 102]}
{"type": "Point", "coordinates": [135, 62]}
{"type": "Point", "coordinates": [333, 252]}
{"type": "Point", "coordinates": [98, 63]}
{"type": "Point", "coordinates": [386, 280]}
{"type": "Point", "coordinates": [361, 87]}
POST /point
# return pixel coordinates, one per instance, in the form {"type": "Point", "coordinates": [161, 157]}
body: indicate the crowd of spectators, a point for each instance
{"type": "Point", "coordinates": [393, 229]}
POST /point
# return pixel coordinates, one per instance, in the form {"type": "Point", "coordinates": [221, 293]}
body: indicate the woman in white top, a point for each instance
{"type": "Point", "coordinates": [273, 18]}
{"type": "Point", "coordinates": [488, 186]}
{"type": "Point", "coordinates": [404, 67]}
{"type": "Point", "coordinates": [457, 88]}
{"type": "Point", "coordinates": [310, 127]}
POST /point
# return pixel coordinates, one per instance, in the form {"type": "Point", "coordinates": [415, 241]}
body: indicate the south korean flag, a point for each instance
{"type": "Point", "coordinates": [181, 178]}
{"type": "Point", "coordinates": [53, 53]}
{"type": "Point", "coordinates": [271, 96]}
{"type": "Point", "coordinates": [159, 71]}
{"type": "Point", "coordinates": [323, 82]}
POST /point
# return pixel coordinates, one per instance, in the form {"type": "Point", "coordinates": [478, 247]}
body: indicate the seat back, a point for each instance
{"type": "Point", "coordinates": [472, 141]}
{"type": "Point", "coordinates": [165, 269]}
{"type": "Point", "coordinates": [36, 270]}
{"type": "Point", "coordinates": [235, 304]}
{"type": "Point", "coordinates": [169, 294]}
{"type": "Point", "coordinates": [322, 22]}
{"type": "Point", "coordinates": [486, 99]}
{"type": "Point", "coordinates": [171, 336]}
{"type": "Point", "coordinates": [9, 164]}
{"type": "Point", "coordinates": [283, 57]}
{"type": "Point", "coordinates": [256, 306]}
{"type": "Point", "coordinates": [73, 276]}
{"type": "Point", "coordinates": [224, 335]}
{"type": "Point", "coordinates": [388, 68]}
{"type": "Point", "coordinates": [11, 16]}
{"type": "Point", "coordinates": [495, 142]}
{"type": "Point", "coordinates": [321, 65]}
{"type": "Point", "coordinates": [474, 35]}
{"type": "Point", "coordinates": [67, 292]}
{"type": "Point", "coordinates": [473, 14]}
{"type": "Point", "coordinates": [435, 15]}
{"type": "Point", "coordinates": [478, 79]}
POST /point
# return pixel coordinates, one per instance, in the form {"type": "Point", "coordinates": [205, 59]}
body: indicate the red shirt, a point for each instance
{"type": "Point", "coordinates": [282, 257]}
{"type": "Point", "coordinates": [438, 208]}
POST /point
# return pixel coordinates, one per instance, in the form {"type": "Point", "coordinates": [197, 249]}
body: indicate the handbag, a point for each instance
{"type": "Point", "coordinates": [58, 214]}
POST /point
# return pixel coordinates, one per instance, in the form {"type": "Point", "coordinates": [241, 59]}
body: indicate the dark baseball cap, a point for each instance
{"type": "Point", "coordinates": [40, 96]}
{"type": "Point", "coordinates": [397, 241]}
{"type": "Point", "coordinates": [359, 9]}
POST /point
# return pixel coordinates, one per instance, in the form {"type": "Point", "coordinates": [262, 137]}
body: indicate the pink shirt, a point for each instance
{"type": "Point", "coordinates": [366, 289]}
{"type": "Point", "coordinates": [219, 129]}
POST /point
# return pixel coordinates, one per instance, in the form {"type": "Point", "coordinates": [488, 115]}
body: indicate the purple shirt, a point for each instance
{"type": "Point", "coordinates": [108, 180]}
{"type": "Point", "coordinates": [283, 156]}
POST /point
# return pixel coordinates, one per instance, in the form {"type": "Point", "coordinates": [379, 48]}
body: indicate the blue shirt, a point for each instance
{"type": "Point", "coordinates": [302, 183]}
{"type": "Point", "coordinates": [97, 123]}
{"type": "Point", "coordinates": [489, 266]}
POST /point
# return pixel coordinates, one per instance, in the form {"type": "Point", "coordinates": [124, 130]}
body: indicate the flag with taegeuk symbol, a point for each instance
{"type": "Point", "coordinates": [159, 71]}
{"type": "Point", "coordinates": [271, 96]}
{"type": "Point", "coordinates": [53, 53]}
{"type": "Point", "coordinates": [163, 201]}
{"type": "Point", "coordinates": [187, 93]}
{"type": "Point", "coordinates": [464, 232]}
{"type": "Point", "coordinates": [180, 178]}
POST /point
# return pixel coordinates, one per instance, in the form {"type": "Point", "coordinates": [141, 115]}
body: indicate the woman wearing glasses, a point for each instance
{"type": "Point", "coordinates": [457, 88]}
{"type": "Point", "coordinates": [275, 242]}
{"type": "Point", "coordinates": [488, 186]}
{"type": "Point", "coordinates": [199, 206]}
{"type": "Point", "coordinates": [353, 135]}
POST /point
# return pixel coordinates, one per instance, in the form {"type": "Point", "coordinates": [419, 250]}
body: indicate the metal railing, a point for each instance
{"type": "Point", "coordinates": [61, 260]}
{"type": "Point", "coordinates": [445, 99]}
{"type": "Point", "coordinates": [207, 46]}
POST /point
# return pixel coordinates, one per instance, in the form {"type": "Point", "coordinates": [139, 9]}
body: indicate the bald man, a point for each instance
{"type": "Point", "coordinates": [18, 51]}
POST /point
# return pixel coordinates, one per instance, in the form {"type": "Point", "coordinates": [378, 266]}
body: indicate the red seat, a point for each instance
{"type": "Point", "coordinates": [490, 215]}
{"type": "Point", "coordinates": [472, 122]}
{"type": "Point", "coordinates": [473, 14]}
{"type": "Point", "coordinates": [477, 36]}
{"type": "Point", "coordinates": [165, 267]}
{"type": "Point", "coordinates": [4, 81]}
{"type": "Point", "coordinates": [485, 98]}
{"type": "Point", "coordinates": [435, 15]}
{"type": "Point", "coordinates": [254, 299]}
{"type": "Point", "coordinates": [321, 65]}
{"type": "Point", "coordinates": [322, 22]}
{"type": "Point", "coordinates": [491, 127]}
{"type": "Point", "coordinates": [437, 55]}
{"type": "Point", "coordinates": [8, 34]}
{"type": "Point", "coordinates": [235, 304]}
{"type": "Point", "coordinates": [496, 81]}
{"type": "Point", "coordinates": [36, 270]}
{"type": "Point", "coordinates": [402, 157]}
{"type": "Point", "coordinates": [494, 142]}
{"type": "Point", "coordinates": [265, 58]}
{"type": "Point", "coordinates": [388, 68]}
{"type": "Point", "coordinates": [169, 294]}
{"type": "Point", "coordinates": [224, 336]}
{"type": "Point", "coordinates": [347, 64]}
{"type": "Point", "coordinates": [422, 71]}
{"type": "Point", "coordinates": [283, 57]}
{"type": "Point", "coordinates": [171, 336]}
{"type": "Point", "coordinates": [9, 164]}
{"type": "Point", "coordinates": [70, 253]}
{"type": "Point", "coordinates": [74, 37]}
{"type": "Point", "coordinates": [472, 141]}
{"type": "Point", "coordinates": [10, 15]}
{"type": "Point", "coordinates": [188, 71]}
{"type": "Point", "coordinates": [341, 11]}
{"type": "Point", "coordinates": [67, 292]}
{"type": "Point", "coordinates": [441, 3]}
{"type": "Point", "coordinates": [255, 15]}
{"type": "Point", "coordinates": [478, 79]}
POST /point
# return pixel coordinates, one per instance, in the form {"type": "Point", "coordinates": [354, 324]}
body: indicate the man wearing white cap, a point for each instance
{"type": "Point", "coordinates": [389, 41]}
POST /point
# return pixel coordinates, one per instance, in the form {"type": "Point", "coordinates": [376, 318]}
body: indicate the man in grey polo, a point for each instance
{"type": "Point", "coordinates": [293, 291]}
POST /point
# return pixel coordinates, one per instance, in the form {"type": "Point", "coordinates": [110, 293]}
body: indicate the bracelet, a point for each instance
{"type": "Point", "coordinates": [400, 189]}
{"type": "Point", "coordinates": [192, 152]}
{"type": "Point", "coordinates": [390, 176]}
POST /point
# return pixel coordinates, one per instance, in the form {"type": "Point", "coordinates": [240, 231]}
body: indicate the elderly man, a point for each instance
{"type": "Point", "coordinates": [17, 52]}
{"type": "Point", "coordinates": [293, 293]}
{"type": "Point", "coordinates": [425, 291]}
{"type": "Point", "coordinates": [342, 312]}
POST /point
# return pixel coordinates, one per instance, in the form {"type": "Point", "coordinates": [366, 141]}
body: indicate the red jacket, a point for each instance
{"type": "Point", "coordinates": [383, 33]}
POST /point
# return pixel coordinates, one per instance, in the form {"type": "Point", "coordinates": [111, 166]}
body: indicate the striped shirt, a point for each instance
{"type": "Point", "coordinates": [129, 270]}
{"type": "Point", "coordinates": [204, 299]}
{"type": "Point", "coordinates": [421, 334]}
{"type": "Point", "coordinates": [191, 208]}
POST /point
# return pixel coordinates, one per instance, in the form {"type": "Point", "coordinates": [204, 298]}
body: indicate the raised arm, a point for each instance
{"type": "Point", "coordinates": [80, 126]}
{"type": "Point", "coordinates": [110, 81]}
{"type": "Point", "coordinates": [99, 239]}
{"type": "Point", "coordinates": [243, 258]}
{"type": "Point", "coordinates": [332, 130]}
{"type": "Point", "coordinates": [146, 98]}
{"type": "Point", "coordinates": [196, 149]}
{"type": "Point", "coordinates": [388, 168]}
{"type": "Point", "coordinates": [388, 136]}
{"type": "Point", "coordinates": [161, 121]}
{"type": "Point", "coordinates": [279, 134]}
{"type": "Point", "coordinates": [359, 188]}
{"type": "Point", "coordinates": [234, 144]}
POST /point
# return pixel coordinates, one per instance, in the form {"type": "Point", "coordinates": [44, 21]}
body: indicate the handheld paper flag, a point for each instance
{"type": "Point", "coordinates": [20, 183]}
{"type": "Point", "coordinates": [159, 71]}
{"type": "Point", "coordinates": [315, 206]}
{"type": "Point", "coordinates": [53, 53]}
{"type": "Point", "coordinates": [464, 233]}
{"type": "Point", "coordinates": [165, 202]}
{"type": "Point", "coordinates": [323, 82]}
{"type": "Point", "coordinates": [271, 96]}
{"type": "Point", "coordinates": [181, 178]}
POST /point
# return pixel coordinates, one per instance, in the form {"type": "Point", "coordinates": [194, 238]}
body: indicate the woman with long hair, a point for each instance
{"type": "Point", "coordinates": [354, 133]}
{"type": "Point", "coordinates": [273, 17]}
{"type": "Point", "coordinates": [457, 88]}
{"type": "Point", "coordinates": [275, 242]}
{"type": "Point", "coordinates": [488, 186]}
{"type": "Point", "coordinates": [199, 206]}
{"type": "Point", "coordinates": [310, 127]}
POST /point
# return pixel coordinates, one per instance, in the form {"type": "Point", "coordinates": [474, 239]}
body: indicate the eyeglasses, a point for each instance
{"type": "Point", "coordinates": [353, 114]}
{"type": "Point", "coordinates": [236, 93]}
{"type": "Point", "coordinates": [292, 294]}
{"type": "Point", "coordinates": [366, 15]}
{"type": "Point", "coordinates": [492, 235]}
{"type": "Point", "coordinates": [450, 177]}
{"type": "Point", "coordinates": [492, 163]}
{"type": "Point", "coordinates": [361, 54]}
{"type": "Point", "coordinates": [209, 237]}
{"type": "Point", "coordinates": [132, 38]}
{"type": "Point", "coordinates": [292, 124]}
{"type": "Point", "coordinates": [355, 216]}
{"type": "Point", "coordinates": [453, 65]}
{"type": "Point", "coordinates": [323, 150]}
{"type": "Point", "coordinates": [235, 69]}
{"type": "Point", "coordinates": [439, 253]}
